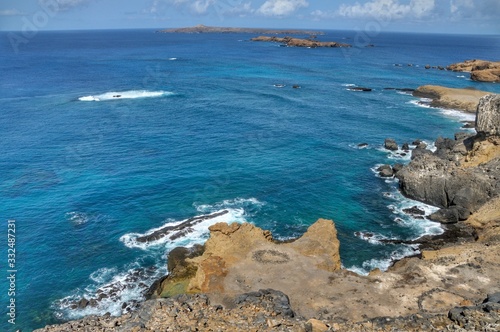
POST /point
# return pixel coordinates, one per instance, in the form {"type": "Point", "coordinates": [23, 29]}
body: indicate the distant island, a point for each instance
{"type": "Point", "coordinates": [200, 28]}
{"type": "Point", "coordinates": [299, 42]}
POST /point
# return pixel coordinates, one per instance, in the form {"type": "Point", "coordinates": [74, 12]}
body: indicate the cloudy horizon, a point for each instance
{"type": "Point", "coordinates": [438, 16]}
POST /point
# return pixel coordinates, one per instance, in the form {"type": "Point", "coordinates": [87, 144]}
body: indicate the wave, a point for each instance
{"type": "Point", "coordinates": [193, 230]}
{"type": "Point", "coordinates": [131, 94]}
{"type": "Point", "coordinates": [450, 113]}
{"type": "Point", "coordinates": [384, 263]}
{"type": "Point", "coordinates": [120, 290]}
{"type": "Point", "coordinates": [77, 218]}
{"type": "Point", "coordinates": [113, 292]}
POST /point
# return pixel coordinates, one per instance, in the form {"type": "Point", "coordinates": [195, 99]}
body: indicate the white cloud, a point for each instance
{"type": "Point", "coordinates": [11, 12]}
{"type": "Point", "coordinates": [388, 9]}
{"type": "Point", "coordinates": [474, 9]}
{"type": "Point", "coordinates": [281, 7]}
{"type": "Point", "coordinates": [220, 8]}
{"type": "Point", "coordinates": [63, 5]}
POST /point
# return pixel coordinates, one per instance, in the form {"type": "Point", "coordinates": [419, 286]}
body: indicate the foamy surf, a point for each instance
{"type": "Point", "coordinates": [110, 291]}
{"type": "Point", "coordinates": [449, 113]}
{"type": "Point", "coordinates": [132, 94]}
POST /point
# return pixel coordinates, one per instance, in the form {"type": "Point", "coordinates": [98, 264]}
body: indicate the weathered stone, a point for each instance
{"type": "Point", "coordinates": [390, 144]}
{"type": "Point", "coordinates": [488, 115]}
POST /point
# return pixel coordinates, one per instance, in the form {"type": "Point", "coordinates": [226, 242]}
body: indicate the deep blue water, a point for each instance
{"type": "Point", "coordinates": [200, 127]}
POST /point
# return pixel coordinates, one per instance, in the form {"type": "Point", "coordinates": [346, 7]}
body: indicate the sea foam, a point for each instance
{"type": "Point", "coordinates": [131, 94]}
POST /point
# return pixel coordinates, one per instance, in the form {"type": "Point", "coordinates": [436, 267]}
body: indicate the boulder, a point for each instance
{"type": "Point", "coordinates": [390, 144]}
{"type": "Point", "coordinates": [488, 115]}
{"type": "Point", "coordinates": [385, 171]}
{"type": "Point", "coordinates": [480, 70]}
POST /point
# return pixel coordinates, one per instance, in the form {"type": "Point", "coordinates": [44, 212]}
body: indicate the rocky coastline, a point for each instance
{"type": "Point", "coordinates": [298, 42]}
{"type": "Point", "coordinates": [480, 70]}
{"type": "Point", "coordinates": [465, 100]}
{"type": "Point", "coordinates": [242, 279]}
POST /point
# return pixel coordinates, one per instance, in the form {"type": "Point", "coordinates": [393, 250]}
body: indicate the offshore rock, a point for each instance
{"type": "Point", "coordinates": [299, 42]}
{"type": "Point", "coordinates": [480, 70]}
{"type": "Point", "coordinates": [488, 115]}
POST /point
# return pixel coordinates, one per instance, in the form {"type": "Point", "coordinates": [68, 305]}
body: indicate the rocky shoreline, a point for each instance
{"type": "Point", "coordinates": [298, 42]}
{"type": "Point", "coordinates": [243, 279]}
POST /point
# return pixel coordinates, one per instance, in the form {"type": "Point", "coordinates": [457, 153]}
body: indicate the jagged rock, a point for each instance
{"type": "Point", "coordinates": [390, 144]}
{"type": "Point", "coordinates": [488, 115]}
{"type": "Point", "coordinates": [397, 167]}
{"type": "Point", "coordinates": [480, 70]}
{"type": "Point", "coordinates": [445, 216]}
{"type": "Point", "coordinates": [385, 171]}
{"type": "Point", "coordinates": [414, 210]}
{"type": "Point", "coordinates": [253, 249]}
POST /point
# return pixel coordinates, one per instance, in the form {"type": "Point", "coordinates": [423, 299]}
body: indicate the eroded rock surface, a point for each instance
{"type": "Point", "coordinates": [480, 70]}
{"type": "Point", "coordinates": [461, 99]}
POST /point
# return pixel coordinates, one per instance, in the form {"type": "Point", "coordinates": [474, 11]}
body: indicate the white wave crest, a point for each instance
{"type": "Point", "coordinates": [197, 235]}
{"type": "Point", "coordinates": [132, 94]}
{"type": "Point", "coordinates": [384, 263]}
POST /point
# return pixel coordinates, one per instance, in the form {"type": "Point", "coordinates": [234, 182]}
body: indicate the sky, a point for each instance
{"type": "Point", "coordinates": [438, 16]}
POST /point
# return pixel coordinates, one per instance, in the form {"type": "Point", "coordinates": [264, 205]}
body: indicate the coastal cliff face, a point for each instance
{"type": "Point", "coordinates": [480, 70]}
{"type": "Point", "coordinates": [462, 174]}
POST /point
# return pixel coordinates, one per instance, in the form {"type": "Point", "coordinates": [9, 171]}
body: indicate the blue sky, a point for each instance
{"type": "Point", "coordinates": [441, 16]}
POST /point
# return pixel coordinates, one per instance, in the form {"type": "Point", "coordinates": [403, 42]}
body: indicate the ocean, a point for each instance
{"type": "Point", "coordinates": [108, 135]}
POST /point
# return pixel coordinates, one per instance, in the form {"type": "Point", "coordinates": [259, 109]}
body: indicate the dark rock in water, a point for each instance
{"type": "Point", "coordinates": [401, 89]}
{"type": "Point", "coordinates": [440, 67]}
{"type": "Point", "coordinates": [385, 171]}
{"type": "Point", "coordinates": [416, 142]}
{"type": "Point", "coordinates": [468, 125]}
{"type": "Point", "coordinates": [83, 303]}
{"type": "Point", "coordinates": [184, 228]}
{"type": "Point", "coordinates": [390, 144]}
{"type": "Point", "coordinates": [362, 145]}
{"type": "Point", "coordinates": [357, 88]}
{"type": "Point", "coordinates": [427, 66]}
{"type": "Point", "coordinates": [397, 167]}
{"type": "Point", "coordinates": [295, 86]}
{"type": "Point", "coordinates": [405, 147]}
{"type": "Point", "coordinates": [414, 210]}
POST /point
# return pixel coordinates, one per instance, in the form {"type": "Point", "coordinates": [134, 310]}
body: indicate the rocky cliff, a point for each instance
{"type": "Point", "coordinates": [463, 173]}
{"type": "Point", "coordinates": [480, 70]}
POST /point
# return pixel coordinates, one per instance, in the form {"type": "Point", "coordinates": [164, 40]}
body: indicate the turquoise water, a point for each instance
{"type": "Point", "coordinates": [199, 127]}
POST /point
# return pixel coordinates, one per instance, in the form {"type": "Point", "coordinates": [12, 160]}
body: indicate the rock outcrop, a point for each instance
{"type": "Point", "coordinates": [461, 99]}
{"type": "Point", "coordinates": [239, 250]}
{"type": "Point", "coordinates": [480, 70]}
{"type": "Point", "coordinates": [299, 42]}
{"type": "Point", "coordinates": [462, 174]}
{"type": "Point", "coordinates": [488, 116]}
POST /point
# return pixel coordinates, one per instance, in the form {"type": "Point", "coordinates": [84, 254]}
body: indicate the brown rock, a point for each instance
{"type": "Point", "coordinates": [317, 325]}
{"type": "Point", "coordinates": [481, 70]}
{"type": "Point", "coordinates": [461, 99]}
